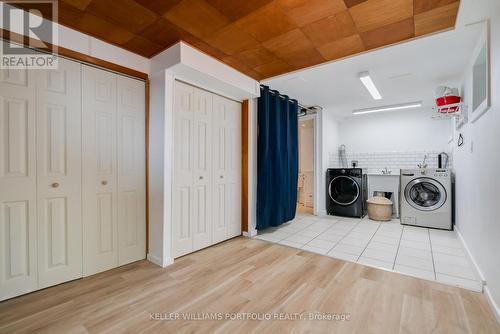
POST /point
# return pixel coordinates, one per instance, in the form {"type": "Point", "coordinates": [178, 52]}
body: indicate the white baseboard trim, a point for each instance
{"type": "Point", "coordinates": [493, 305]}
{"type": "Point", "coordinates": [474, 262]}
{"type": "Point", "coordinates": [321, 213]}
{"type": "Point", "coordinates": [156, 260]}
{"type": "Point", "coordinates": [250, 234]}
{"type": "Point", "coordinates": [486, 290]}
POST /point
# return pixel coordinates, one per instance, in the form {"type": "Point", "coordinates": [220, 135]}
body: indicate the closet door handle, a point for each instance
{"type": "Point", "coordinates": [201, 177]}
{"type": "Point", "coordinates": [222, 176]}
{"type": "Point", "coordinates": [54, 185]}
{"type": "Point", "coordinates": [104, 182]}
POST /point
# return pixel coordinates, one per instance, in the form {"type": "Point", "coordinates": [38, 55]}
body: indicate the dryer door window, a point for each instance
{"type": "Point", "coordinates": [344, 190]}
{"type": "Point", "coordinates": [425, 194]}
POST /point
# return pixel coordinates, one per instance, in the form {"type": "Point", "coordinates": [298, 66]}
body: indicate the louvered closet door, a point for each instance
{"type": "Point", "coordinates": [182, 196]}
{"type": "Point", "coordinates": [232, 177]}
{"type": "Point", "coordinates": [59, 174]}
{"type": "Point", "coordinates": [131, 171]}
{"type": "Point", "coordinates": [202, 152]}
{"type": "Point", "coordinates": [99, 171]}
{"type": "Point", "coordinates": [18, 263]}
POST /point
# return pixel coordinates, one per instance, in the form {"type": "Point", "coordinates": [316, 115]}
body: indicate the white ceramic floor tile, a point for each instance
{"type": "Point", "coordinates": [363, 227]}
{"type": "Point", "coordinates": [292, 228]}
{"type": "Point", "coordinates": [415, 272]}
{"type": "Point", "coordinates": [421, 253]}
{"type": "Point", "coordinates": [415, 262]}
{"type": "Point", "coordinates": [322, 243]}
{"type": "Point", "coordinates": [448, 250]}
{"type": "Point", "coordinates": [416, 229]}
{"type": "Point", "coordinates": [442, 233]}
{"type": "Point", "coordinates": [299, 239]}
{"type": "Point", "coordinates": [268, 237]}
{"type": "Point", "coordinates": [384, 239]}
{"type": "Point", "coordinates": [389, 234]}
{"type": "Point", "coordinates": [291, 243]}
{"type": "Point", "coordinates": [280, 234]}
{"type": "Point", "coordinates": [313, 249]}
{"type": "Point", "coordinates": [350, 220]}
{"type": "Point", "coordinates": [308, 233]}
{"type": "Point", "coordinates": [329, 237]}
{"type": "Point", "coordinates": [342, 255]}
{"type": "Point", "coordinates": [379, 255]}
{"type": "Point", "coordinates": [351, 249]}
{"type": "Point", "coordinates": [451, 259]}
{"type": "Point", "coordinates": [375, 263]}
{"type": "Point", "coordinates": [422, 238]}
{"type": "Point", "coordinates": [415, 244]}
{"type": "Point", "coordinates": [317, 228]}
{"type": "Point", "coordinates": [405, 249]}
{"type": "Point", "coordinates": [355, 241]}
{"type": "Point", "coordinates": [383, 246]}
{"type": "Point", "coordinates": [360, 235]}
{"type": "Point", "coordinates": [460, 282]}
{"type": "Point", "coordinates": [454, 270]}
{"type": "Point", "coordinates": [343, 226]}
{"type": "Point", "coordinates": [452, 242]}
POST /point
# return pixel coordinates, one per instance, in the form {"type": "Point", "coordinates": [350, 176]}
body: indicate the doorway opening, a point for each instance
{"type": "Point", "coordinates": [305, 184]}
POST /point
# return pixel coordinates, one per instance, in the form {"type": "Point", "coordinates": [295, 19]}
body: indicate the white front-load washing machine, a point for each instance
{"type": "Point", "coordinates": [426, 198]}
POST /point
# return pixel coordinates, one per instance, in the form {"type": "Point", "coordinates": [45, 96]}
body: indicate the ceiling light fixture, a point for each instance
{"type": "Point", "coordinates": [388, 108]}
{"type": "Point", "coordinates": [368, 82]}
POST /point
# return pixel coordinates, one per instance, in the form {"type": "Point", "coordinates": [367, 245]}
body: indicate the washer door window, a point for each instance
{"type": "Point", "coordinates": [344, 190]}
{"type": "Point", "coordinates": [425, 194]}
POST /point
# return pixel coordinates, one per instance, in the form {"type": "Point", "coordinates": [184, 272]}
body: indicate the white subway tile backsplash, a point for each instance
{"type": "Point", "coordinates": [395, 159]}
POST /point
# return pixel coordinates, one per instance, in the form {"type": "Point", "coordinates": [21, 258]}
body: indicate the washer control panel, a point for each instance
{"type": "Point", "coordinates": [441, 173]}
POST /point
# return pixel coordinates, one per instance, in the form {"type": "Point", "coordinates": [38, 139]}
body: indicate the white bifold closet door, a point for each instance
{"type": "Point", "coordinates": [18, 251]}
{"type": "Point", "coordinates": [192, 165]}
{"type": "Point", "coordinates": [99, 178]}
{"type": "Point", "coordinates": [59, 222]}
{"type": "Point", "coordinates": [114, 211]}
{"type": "Point", "coordinates": [226, 168]}
{"type": "Point", "coordinates": [131, 186]}
{"type": "Point", "coordinates": [200, 218]}
{"type": "Point", "coordinates": [72, 175]}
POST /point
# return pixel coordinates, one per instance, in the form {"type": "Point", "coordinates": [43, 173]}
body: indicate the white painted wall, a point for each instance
{"type": "Point", "coordinates": [477, 166]}
{"type": "Point", "coordinates": [404, 130]}
{"type": "Point", "coordinates": [80, 42]}
{"type": "Point", "coordinates": [328, 141]}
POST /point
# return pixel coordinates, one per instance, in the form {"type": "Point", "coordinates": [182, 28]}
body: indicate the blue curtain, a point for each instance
{"type": "Point", "coordinates": [277, 158]}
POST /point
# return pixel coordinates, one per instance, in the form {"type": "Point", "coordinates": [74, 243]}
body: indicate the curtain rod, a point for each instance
{"type": "Point", "coordinates": [283, 97]}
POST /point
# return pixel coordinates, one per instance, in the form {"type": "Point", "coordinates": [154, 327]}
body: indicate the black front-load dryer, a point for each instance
{"type": "Point", "coordinates": [346, 192]}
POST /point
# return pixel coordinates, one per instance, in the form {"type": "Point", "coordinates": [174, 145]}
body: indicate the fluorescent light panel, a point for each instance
{"type": "Point", "coordinates": [370, 86]}
{"type": "Point", "coordinates": [388, 108]}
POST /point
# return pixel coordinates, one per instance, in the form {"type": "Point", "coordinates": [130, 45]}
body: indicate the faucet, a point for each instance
{"type": "Point", "coordinates": [423, 164]}
{"type": "Point", "coordinates": [386, 171]}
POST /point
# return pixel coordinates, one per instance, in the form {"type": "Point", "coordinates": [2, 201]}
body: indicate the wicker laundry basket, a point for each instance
{"type": "Point", "coordinates": [379, 208]}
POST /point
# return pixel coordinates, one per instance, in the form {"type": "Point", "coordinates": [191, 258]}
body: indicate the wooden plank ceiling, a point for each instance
{"type": "Point", "coordinates": [261, 38]}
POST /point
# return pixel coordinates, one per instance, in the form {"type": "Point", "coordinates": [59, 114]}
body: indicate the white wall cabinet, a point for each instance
{"type": "Point", "coordinates": [72, 175]}
{"type": "Point", "coordinates": [207, 169]}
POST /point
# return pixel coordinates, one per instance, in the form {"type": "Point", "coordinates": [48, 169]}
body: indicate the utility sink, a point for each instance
{"type": "Point", "coordinates": [384, 172]}
{"type": "Point", "coordinates": [385, 180]}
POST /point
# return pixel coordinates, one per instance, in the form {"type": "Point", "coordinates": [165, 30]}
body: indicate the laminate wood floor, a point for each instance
{"type": "Point", "coordinates": [255, 278]}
